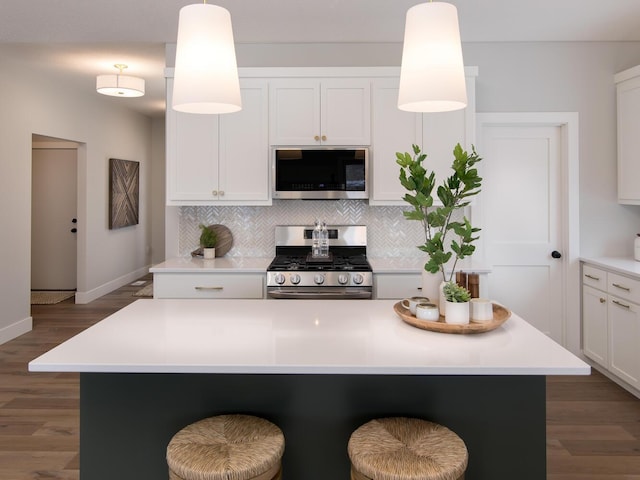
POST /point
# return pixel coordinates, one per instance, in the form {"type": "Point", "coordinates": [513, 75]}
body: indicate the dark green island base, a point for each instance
{"type": "Point", "coordinates": [128, 419]}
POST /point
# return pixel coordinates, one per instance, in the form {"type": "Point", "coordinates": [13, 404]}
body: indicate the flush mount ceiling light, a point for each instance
{"type": "Point", "coordinates": [120, 85]}
{"type": "Point", "coordinates": [206, 73]}
{"type": "Point", "coordinates": [432, 71]}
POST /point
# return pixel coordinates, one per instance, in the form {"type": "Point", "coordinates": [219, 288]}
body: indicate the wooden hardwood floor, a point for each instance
{"type": "Point", "coordinates": [593, 426]}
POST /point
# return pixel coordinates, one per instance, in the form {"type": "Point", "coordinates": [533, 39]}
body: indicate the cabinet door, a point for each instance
{"type": "Point", "coordinates": [397, 286]}
{"type": "Point", "coordinates": [443, 130]}
{"type": "Point", "coordinates": [594, 325]}
{"type": "Point", "coordinates": [396, 133]}
{"type": "Point", "coordinates": [244, 147]}
{"type": "Point", "coordinates": [192, 155]}
{"type": "Point", "coordinates": [624, 336]}
{"type": "Point", "coordinates": [628, 141]}
{"type": "Point", "coordinates": [345, 112]}
{"type": "Point", "coordinates": [294, 117]}
{"type": "Point", "coordinates": [394, 130]}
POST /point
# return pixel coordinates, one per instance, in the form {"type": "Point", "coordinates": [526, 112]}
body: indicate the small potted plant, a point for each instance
{"type": "Point", "coordinates": [208, 239]}
{"type": "Point", "coordinates": [457, 303]}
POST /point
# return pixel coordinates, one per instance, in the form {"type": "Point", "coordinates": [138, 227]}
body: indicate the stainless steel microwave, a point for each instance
{"type": "Point", "coordinates": [320, 173]}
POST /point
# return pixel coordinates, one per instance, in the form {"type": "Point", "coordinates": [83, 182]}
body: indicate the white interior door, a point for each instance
{"type": "Point", "coordinates": [53, 210]}
{"type": "Point", "coordinates": [522, 214]}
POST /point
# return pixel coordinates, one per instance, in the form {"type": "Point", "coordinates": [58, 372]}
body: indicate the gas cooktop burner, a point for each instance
{"type": "Point", "coordinates": [302, 263]}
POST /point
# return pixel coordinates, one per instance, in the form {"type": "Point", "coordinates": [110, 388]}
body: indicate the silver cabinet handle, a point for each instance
{"type": "Point", "coordinates": [210, 288]}
{"type": "Point", "coordinates": [620, 304]}
{"type": "Point", "coordinates": [591, 277]}
{"type": "Point", "coordinates": [621, 287]}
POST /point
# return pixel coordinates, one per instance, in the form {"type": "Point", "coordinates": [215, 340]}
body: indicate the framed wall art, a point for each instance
{"type": "Point", "coordinates": [124, 193]}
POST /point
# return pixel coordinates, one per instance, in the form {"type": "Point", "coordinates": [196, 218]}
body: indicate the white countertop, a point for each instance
{"type": "Point", "coordinates": [415, 265]}
{"type": "Point", "coordinates": [623, 265]}
{"type": "Point", "coordinates": [298, 337]}
{"type": "Point", "coordinates": [219, 264]}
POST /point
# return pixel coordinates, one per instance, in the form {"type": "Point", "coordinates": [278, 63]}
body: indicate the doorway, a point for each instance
{"type": "Point", "coordinates": [54, 222]}
{"type": "Point", "coordinates": [529, 215]}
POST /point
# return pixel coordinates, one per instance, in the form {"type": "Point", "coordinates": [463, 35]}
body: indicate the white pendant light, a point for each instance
{"type": "Point", "coordinates": [206, 73]}
{"type": "Point", "coordinates": [120, 85]}
{"type": "Point", "coordinates": [432, 71]}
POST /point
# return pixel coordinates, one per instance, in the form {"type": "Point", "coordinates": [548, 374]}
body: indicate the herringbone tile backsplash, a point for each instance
{"type": "Point", "coordinates": [389, 233]}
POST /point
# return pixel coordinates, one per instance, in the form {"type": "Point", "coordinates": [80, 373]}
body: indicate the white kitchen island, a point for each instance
{"type": "Point", "coordinates": [317, 368]}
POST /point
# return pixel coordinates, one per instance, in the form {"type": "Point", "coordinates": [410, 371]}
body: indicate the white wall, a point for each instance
{"type": "Point", "coordinates": [31, 104]}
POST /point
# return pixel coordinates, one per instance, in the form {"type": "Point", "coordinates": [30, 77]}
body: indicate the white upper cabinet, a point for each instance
{"type": "Point", "coordinates": [396, 131]}
{"type": "Point", "coordinates": [220, 159]}
{"type": "Point", "coordinates": [329, 111]}
{"type": "Point", "coordinates": [628, 99]}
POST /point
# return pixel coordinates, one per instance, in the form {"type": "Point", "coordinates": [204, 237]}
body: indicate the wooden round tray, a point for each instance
{"type": "Point", "coordinates": [500, 315]}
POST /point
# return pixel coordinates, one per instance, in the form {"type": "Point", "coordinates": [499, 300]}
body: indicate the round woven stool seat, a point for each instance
{"type": "Point", "coordinates": [400, 448]}
{"type": "Point", "coordinates": [226, 447]}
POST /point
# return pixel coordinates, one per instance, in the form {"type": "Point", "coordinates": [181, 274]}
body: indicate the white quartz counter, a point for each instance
{"type": "Point", "coordinates": [623, 265]}
{"type": "Point", "coordinates": [301, 337]}
{"type": "Point", "coordinates": [414, 265]}
{"type": "Point", "coordinates": [219, 264]}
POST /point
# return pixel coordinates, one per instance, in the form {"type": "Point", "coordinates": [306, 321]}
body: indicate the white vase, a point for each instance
{"type": "Point", "coordinates": [209, 253]}
{"type": "Point", "coordinates": [457, 313]}
{"type": "Point", "coordinates": [431, 286]}
{"type": "Point", "coordinates": [442, 302]}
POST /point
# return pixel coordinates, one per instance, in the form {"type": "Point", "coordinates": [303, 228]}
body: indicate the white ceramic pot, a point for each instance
{"type": "Point", "coordinates": [457, 312]}
{"type": "Point", "coordinates": [431, 285]}
{"type": "Point", "coordinates": [209, 253]}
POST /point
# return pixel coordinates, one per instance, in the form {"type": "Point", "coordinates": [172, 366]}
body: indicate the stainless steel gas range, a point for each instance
{"type": "Point", "coordinates": [343, 274]}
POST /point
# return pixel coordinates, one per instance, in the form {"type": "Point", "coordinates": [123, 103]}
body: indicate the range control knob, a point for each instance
{"type": "Point", "coordinates": [358, 279]}
{"type": "Point", "coordinates": [318, 279]}
{"type": "Point", "coordinates": [294, 278]}
{"type": "Point", "coordinates": [279, 278]}
{"type": "Point", "coordinates": [343, 279]}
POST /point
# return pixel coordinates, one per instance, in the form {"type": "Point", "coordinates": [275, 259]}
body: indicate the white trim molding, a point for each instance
{"type": "Point", "coordinates": [569, 125]}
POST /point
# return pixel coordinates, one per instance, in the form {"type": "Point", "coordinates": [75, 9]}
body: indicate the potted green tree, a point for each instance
{"type": "Point", "coordinates": [447, 236]}
{"type": "Point", "coordinates": [456, 303]}
{"type": "Point", "coordinates": [208, 240]}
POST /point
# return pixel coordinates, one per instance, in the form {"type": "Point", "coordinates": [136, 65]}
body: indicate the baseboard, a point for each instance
{"type": "Point", "coordinates": [91, 295]}
{"type": "Point", "coordinates": [15, 330]}
{"type": "Point", "coordinates": [614, 378]}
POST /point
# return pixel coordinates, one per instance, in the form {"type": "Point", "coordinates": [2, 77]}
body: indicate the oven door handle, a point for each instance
{"type": "Point", "coordinates": [286, 294]}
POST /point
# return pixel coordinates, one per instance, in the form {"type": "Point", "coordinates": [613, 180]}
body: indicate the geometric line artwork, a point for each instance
{"type": "Point", "coordinates": [124, 192]}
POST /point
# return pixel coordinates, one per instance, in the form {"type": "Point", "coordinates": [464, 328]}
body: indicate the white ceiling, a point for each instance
{"type": "Point", "coordinates": [83, 38]}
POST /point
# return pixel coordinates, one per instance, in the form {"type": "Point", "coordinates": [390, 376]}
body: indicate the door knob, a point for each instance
{"type": "Point", "coordinates": [556, 254]}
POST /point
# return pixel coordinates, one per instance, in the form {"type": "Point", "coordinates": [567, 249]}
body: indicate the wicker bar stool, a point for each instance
{"type": "Point", "coordinates": [227, 447]}
{"type": "Point", "coordinates": [400, 448]}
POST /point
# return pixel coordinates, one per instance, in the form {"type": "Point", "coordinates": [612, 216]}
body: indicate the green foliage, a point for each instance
{"type": "Point", "coordinates": [455, 293]}
{"type": "Point", "coordinates": [208, 237]}
{"type": "Point", "coordinates": [454, 193]}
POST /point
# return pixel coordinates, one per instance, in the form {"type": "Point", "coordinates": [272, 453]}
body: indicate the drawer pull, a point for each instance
{"type": "Point", "coordinates": [620, 304]}
{"type": "Point", "coordinates": [621, 287]}
{"type": "Point", "coordinates": [210, 288]}
{"type": "Point", "coordinates": [592, 277]}
{"type": "Point", "coordinates": [603, 300]}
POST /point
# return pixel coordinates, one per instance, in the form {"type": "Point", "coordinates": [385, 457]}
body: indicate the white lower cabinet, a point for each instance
{"type": "Point", "coordinates": [611, 322]}
{"type": "Point", "coordinates": [208, 285]}
{"type": "Point", "coordinates": [396, 285]}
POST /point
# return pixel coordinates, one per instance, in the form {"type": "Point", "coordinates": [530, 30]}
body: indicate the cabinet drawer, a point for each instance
{"type": "Point", "coordinates": [392, 286]}
{"type": "Point", "coordinates": [594, 277]}
{"type": "Point", "coordinates": [205, 285]}
{"type": "Point", "coordinates": [624, 287]}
